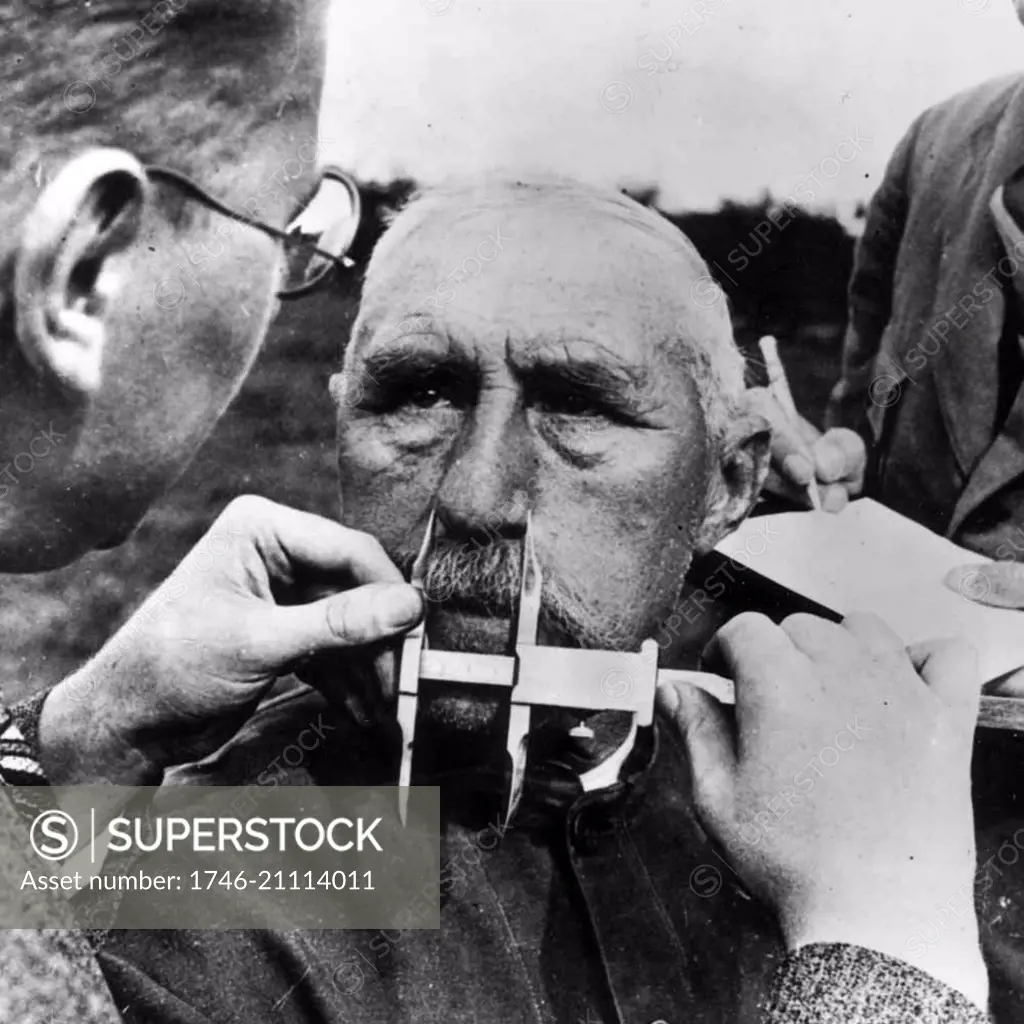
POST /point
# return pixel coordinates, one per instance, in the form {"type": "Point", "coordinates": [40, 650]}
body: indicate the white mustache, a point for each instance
{"type": "Point", "coordinates": [486, 578]}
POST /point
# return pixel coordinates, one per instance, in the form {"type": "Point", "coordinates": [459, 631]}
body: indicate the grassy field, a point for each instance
{"type": "Point", "coordinates": [278, 440]}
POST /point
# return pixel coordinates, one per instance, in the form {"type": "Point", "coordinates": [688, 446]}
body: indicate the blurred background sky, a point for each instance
{"type": "Point", "coordinates": [706, 100]}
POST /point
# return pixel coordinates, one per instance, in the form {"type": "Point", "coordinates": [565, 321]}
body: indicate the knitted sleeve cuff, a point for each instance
{"type": "Point", "coordinates": [19, 743]}
{"type": "Point", "coordinates": [835, 982]}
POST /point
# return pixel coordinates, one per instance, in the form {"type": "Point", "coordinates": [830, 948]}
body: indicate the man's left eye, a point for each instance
{"type": "Point", "coordinates": [414, 396]}
{"type": "Point", "coordinates": [571, 404]}
{"type": "Point", "coordinates": [425, 398]}
{"type": "Point", "coordinates": [578, 405]}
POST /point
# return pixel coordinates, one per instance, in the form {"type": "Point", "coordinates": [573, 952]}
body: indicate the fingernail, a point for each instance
{"type": "Point", "coordinates": [387, 673]}
{"type": "Point", "coordinates": [402, 607]}
{"type": "Point", "coordinates": [798, 467]}
{"type": "Point", "coordinates": [834, 499]}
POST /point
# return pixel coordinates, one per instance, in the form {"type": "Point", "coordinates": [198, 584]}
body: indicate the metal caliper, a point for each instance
{"type": "Point", "coordinates": [591, 680]}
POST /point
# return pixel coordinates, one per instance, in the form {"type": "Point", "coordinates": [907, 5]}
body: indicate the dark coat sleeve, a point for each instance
{"type": "Point", "coordinates": [871, 290]}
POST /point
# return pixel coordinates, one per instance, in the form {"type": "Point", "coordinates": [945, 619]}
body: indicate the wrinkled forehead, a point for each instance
{"type": "Point", "coordinates": [521, 264]}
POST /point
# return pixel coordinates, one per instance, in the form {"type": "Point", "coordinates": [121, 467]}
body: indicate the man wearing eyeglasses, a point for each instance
{"type": "Point", "coordinates": [134, 301]}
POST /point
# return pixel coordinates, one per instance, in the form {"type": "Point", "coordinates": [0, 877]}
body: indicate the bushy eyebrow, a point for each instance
{"type": "Point", "coordinates": [582, 368]}
{"type": "Point", "coordinates": [594, 366]}
{"type": "Point", "coordinates": [404, 358]}
{"type": "Point", "coordinates": [587, 367]}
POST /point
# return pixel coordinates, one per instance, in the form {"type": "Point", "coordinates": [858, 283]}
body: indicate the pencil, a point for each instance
{"type": "Point", "coordinates": [778, 385]}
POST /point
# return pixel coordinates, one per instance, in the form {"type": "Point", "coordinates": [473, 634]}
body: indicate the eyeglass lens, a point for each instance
{"type": "Point", "coordinates": [329, 223]}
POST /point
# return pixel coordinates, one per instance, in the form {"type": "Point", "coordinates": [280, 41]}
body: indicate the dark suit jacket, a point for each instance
{"type": "Point", "coordinates": [932, 369]}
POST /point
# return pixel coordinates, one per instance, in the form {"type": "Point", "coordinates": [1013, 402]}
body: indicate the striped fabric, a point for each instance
{"type": "Point", "coordinates": [19, 763]}
{"type": "Point", "coordinates": [20, 772]}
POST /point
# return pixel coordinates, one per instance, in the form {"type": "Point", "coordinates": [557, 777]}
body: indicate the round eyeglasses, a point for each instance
{"type": "Point", "coordinates": [317, 239]}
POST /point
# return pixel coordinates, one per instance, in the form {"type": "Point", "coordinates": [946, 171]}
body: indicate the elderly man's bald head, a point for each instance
{"type": "Point", "coordinates": [541, 348]}
{"type": "Point", "coordinates": [614, 250]}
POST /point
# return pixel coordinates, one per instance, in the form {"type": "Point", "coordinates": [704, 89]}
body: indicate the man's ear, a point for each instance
{"type": "Point", "coordinates": [739, 475]}
{"type": "Point", "coordinates": [62, 279]}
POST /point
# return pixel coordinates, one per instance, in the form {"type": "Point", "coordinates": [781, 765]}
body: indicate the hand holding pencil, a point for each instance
{"type": "Point", "coordinates": [820, 470]}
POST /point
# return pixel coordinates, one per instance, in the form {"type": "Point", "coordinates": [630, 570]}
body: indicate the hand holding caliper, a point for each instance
{"type": "Point", "coordinates": [581, 679]}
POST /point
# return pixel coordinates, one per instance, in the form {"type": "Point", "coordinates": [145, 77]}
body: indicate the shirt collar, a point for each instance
{"type": "Point", "coordinates": [606, 774]}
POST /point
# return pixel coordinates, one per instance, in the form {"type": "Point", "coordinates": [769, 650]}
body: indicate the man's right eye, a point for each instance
{"type": "Point", "coordinates": [426, 398]}
{"type": "Point", "coordinates": [421, 396]}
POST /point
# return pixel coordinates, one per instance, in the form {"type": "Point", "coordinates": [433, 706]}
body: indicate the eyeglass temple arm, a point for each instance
{"type": "Point", "coordinates": [197, 192]}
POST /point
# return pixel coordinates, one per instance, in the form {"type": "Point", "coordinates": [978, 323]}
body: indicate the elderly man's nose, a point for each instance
{"type": "Point", "coordinates": [485, 491]}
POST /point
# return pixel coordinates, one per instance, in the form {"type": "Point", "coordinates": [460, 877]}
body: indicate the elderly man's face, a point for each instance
{"type": "Point", "coordinates": [547, 379]}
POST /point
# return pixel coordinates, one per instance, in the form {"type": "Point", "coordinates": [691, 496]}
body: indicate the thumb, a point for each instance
{"type": "Point", "coordinates": [363, 615]}
{"type": "Point", "coordinates": [705, 732]}
{"type": "Point", "coordinates": [840, 454]}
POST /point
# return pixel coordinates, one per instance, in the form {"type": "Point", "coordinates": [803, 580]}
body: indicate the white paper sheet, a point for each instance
{"type": "Point", "coordinates": [868, 558]}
